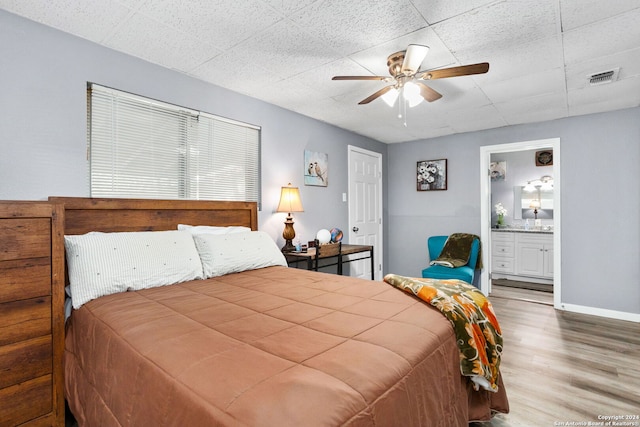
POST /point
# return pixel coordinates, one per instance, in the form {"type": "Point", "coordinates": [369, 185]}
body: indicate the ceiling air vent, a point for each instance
{"type": "Point", "coordinates": [604, 77]}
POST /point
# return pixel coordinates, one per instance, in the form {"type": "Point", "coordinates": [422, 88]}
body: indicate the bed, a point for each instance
{"type": "Point", "coordinates": [267, 346]}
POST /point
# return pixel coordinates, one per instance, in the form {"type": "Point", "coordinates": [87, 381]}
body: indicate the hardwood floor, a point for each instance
{"type": "Point", "coordinates": [510, 292]}
{"type": "Point", "coordinates": [561, 367]}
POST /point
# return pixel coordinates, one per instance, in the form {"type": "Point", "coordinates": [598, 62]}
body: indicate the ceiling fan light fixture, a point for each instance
{"type": "Point", "coordinates": [390, 97]}
{"type": "Point", "coordinates": [411, 93]}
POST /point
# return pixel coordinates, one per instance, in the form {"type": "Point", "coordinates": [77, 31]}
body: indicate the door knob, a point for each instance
{"type": "Point", "coordinates": [355, 229]}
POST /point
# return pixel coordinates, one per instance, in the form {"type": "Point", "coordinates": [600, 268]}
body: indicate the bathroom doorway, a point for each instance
{"type": "Point", "coordinates": [487, 209]}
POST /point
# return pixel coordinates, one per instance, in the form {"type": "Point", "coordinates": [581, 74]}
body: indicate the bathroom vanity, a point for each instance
{"type": "Point", "coordinates": [525, 255]}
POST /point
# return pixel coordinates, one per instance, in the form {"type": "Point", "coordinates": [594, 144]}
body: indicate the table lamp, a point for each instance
{"type": "Point", "coordinates": [289, 202]}
{"type": "Point", "coordinates": [535, 204]}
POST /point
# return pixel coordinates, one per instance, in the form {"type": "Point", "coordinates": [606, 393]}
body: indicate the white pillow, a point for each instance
{"type": "Point", "coordinates": [209, 229]}
{"type": "Point", "coordinates": [236, 252]}
{"type": "Point", "coordinates": [106, 263]}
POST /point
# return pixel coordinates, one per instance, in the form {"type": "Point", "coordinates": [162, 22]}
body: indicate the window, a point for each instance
{"type": "Point", "coordinates": [143, 148]}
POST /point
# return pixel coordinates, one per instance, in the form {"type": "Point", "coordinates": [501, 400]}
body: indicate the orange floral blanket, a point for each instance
{"type": "Point", "coordinates": [474, 322]}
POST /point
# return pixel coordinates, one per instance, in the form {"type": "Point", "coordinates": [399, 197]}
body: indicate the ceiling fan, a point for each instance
{"type": "Point", "coordinates": [403, 67]}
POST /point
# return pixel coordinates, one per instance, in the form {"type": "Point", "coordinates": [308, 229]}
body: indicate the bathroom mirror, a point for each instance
{"type": "Point", "coordinates": [522, 201]}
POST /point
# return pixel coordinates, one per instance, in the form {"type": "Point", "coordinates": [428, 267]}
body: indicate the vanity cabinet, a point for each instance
{"type": "Point", "coordinates": [525, 256]}
{"type": "Point", "coordinates": [31, 314]}
{"type": "Point", "coordinates": [503, 252]}
{"type": "Point", "coordinates": [534, 255]}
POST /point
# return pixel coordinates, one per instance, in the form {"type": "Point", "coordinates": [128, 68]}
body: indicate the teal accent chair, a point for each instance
{"type": "Point", "coordinates": [466, 272]}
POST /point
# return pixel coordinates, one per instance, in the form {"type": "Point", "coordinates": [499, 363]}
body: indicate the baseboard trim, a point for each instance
{"type": "Point", "coordinates": [601, 312]}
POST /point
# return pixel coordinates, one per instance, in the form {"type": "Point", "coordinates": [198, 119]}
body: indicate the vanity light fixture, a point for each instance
{"type": "Point", "coordinates": [545, 183]}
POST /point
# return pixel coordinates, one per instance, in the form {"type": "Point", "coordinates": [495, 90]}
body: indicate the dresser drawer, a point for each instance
{"type": "Point", "coordinates": [502, 236]}
{"type": "Point", "coordinates": [22, 320]}
{"type": "Point", "coordinates": [26, 401]}
{"type": "Point", "coordinates": [25, 238]}
{"type": "Point", "coordinates": [503, 248]}
{"type": "Point", "coordinates": [25, 278]}
{"type": "Point", "coordinates": [502, 265]}
{"type": "Point", "coordinates": [25, 360]}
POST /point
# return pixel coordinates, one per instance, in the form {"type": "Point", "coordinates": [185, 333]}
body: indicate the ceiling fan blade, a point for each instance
{"type": "Point", "coordinates": [360, 78]}
{"type": "Point", "coordinates": [463, 70]}
{"type": "Point", "coordinates": [413, 58]}
{"type": "Point", "coordinates": [428, 93]}
{"type": "Point", "coordinates": [376, 95]}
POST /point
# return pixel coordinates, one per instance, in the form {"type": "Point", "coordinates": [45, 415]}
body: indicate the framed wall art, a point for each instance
{"type": "Point", "coordinates": [544, 158]}
{"type": "Point", "coordinates": [432, 175]}
{"type": "Point", "coordinates": [316, 168]}
{"type": "Point", "coordinates": [498, 170]}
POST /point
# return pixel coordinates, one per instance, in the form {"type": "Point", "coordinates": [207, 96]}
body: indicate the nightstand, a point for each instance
{"type": "Point", "coordinates": [31, 314]}
{"type": "Point", "coordinates": [308, 257]}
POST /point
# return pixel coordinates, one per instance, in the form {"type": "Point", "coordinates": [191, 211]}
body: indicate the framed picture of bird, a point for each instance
{"type": "Point", "coordinates": [316, 168]}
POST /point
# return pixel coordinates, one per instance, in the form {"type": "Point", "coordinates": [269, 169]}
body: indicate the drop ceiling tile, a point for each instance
{"type": "Point", "coordinates": [150, 40]}
{"type": "Point", "coordinates": [426, 133]}
{"type": "Point", "coordinates": [534, 109]}
{"type": "Point", "coordinates": [526, 85]}
{"type": "Point", "coordinates": [458, 97]}
{"type": "Point", "coordinates": [355, 25]}
{"type": "Point", "coordinates": [469, 120]}
{"type": "Point", "coordinates": [501, 25]}
{"type": "Point", "coordinates": [605, 97]}
{"type": "Point", "coordinates": [214, 22]}
{"type": "Point", "coordinates": [329, 110]}
{"type": "Point", "coordinates": [617, 34]}
{"type": "Point", "coordinates": [628, 62]}
{"type": "Point", "coordinates": [286, 50]}
{"type": "Point", "coordinates": [436, 11]}
{"type": "Point", "coordinates": [223, 71]}
{"type": "Point", "coordinates": [288, 94]}
{"type": "Point", "coordinates": [576, 13]}
{"type": "Point", "coordinates": [387, 133]}
{"type": "Point", "coordinates": [528, 58]}
{"type": "Point", "coordinates": [288, 6]}
{"type": "Point", "coordinates": [91, 19]}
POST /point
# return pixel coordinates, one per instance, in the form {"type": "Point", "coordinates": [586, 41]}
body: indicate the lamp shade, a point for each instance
{"type": "Point", "coordinates": [535, 204]}
{"type": "Point", "coordinates": [412, 94]}
{"type": "Point", "coordinates": [390, 97]}
{"type": "Point", "coordinates": [290, 200]}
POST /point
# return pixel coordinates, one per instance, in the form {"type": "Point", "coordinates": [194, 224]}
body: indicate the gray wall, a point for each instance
{"type": "Point", "coordinates": [600, 196]}
{"type": "Point", "coordinates": [44, 72]}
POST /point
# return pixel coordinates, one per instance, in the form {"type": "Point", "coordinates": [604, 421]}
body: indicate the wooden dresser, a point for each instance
{"type": "Point", "coordinates": [31, 314]}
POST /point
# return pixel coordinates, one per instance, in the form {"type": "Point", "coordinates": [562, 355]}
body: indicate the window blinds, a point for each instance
{"type": "Point", "coordinates": [143, 148]}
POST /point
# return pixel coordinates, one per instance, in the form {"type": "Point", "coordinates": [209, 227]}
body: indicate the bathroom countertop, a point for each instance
{"type": "Point", "coordinates": [522, 230]}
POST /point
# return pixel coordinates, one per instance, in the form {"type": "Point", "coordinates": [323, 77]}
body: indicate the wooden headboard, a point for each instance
{"type": "Point", "coordinates": [82, 215]}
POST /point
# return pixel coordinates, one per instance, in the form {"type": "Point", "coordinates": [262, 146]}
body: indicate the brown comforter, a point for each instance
{"type": "Point", "coordinates": [268, 347]}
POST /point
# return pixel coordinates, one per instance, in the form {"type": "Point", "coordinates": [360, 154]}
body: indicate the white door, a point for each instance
{"type": "Point", "coordinates": [365, 209]}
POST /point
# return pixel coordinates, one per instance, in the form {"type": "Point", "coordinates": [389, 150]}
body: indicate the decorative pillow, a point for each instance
{"type": "Point", "coordinates": [209, 229]}
{"type": "Point", "coordinates": [106, 263]}
{"type": "Point", "coordinates": [236, 252]}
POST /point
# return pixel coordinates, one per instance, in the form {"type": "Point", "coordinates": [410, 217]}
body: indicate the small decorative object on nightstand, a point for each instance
{"type": "Point", "coordinates": [323, 236]}
{"type": "Point", "coordinates": [289, 202]}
